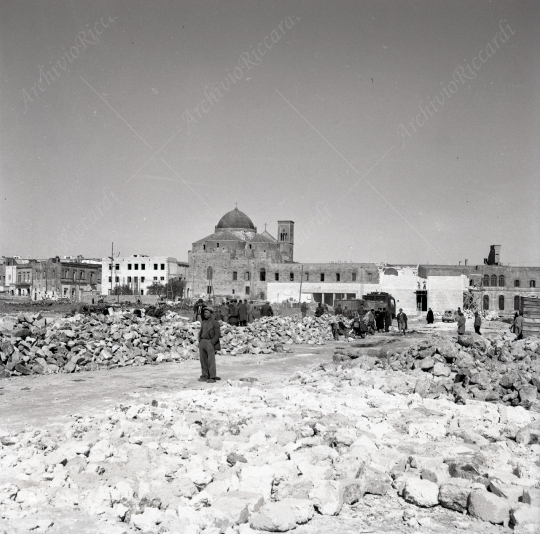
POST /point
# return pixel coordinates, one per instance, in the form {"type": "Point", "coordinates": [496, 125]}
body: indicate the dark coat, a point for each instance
{"type": "Point", "coordinates": [210, 330]}
{"type": "Point", "coordinates": [266, 310]}
{"type": "Point", "coordinates": [319, 310]}
{"type": "Point", "coordinates": [242, 312]}
{"type": "Point", "coordinates": [233, 314]}
{"type": "Point", "coordinates": [430, 317]}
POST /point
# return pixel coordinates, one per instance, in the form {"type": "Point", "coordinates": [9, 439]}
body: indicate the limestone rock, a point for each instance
{"type": "Point", "coordinates": [421, 492]}
{"type": "Point", "coordinates": [327, 497]}
{"type": "Point", "coordinates": [488, 507]}
{"type": "Point", "coordinates": [455, 497]}
{"type": "Point", "coordinates": [274, 517]}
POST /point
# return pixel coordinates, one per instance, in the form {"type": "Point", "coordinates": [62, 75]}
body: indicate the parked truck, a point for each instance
{"type": "Point", "coordinates": [371, 301]}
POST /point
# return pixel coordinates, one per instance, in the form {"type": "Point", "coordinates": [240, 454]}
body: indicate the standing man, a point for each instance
{"type": "Point", "coordinates": [304, 309]}
{"type": "Point", "coordinates": [477, 322]}
{"type": "Point", "coordinates": [430, 318]}
{"type": "Point", "coordinates": [224, 311]}
{"type": "Point", "coordinates": [250, 311]}
{"type": "Point", "coordinates": [233, 313]}
{"type": "Point", "coordinates": [518, 326]}
{"type": "Point", "coordinates": [319, 310]}
{"type": "Point", "coordinates": [371, 321]}
{"type": "Point", "coordinates": [197, 310]}
{"type": "Point", "coordinates": [266, 310]}
{"type": "Point", "coordinates": [402, 321]}
{"type": "Point", "coordinates": [209, 335]}
{"type": "Point", "coordinates": [460, 323]}
{"type": "Point", "coordinates": [387, 319]}
{"type": "Point", "coordinates": [242, 313]}
{"type": "Point", "coordinates": [338, 310]}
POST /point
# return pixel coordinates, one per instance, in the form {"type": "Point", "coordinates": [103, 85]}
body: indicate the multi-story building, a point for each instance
{"type": "Point", "coordinates": [237, 261]}
{"type": "Point", "coordinates": [65, 278]}
{"type": "Point", "coordinates": [139, 271]}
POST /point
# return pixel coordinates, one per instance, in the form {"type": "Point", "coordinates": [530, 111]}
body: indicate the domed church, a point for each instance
{"type": "Point", "coordinates": [234, 259]}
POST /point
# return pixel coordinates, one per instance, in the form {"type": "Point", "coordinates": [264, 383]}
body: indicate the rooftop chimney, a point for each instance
{"type": "Point", "coordinates": [494, 255]}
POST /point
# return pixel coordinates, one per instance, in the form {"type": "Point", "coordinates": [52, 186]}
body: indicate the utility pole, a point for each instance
{"type": "Point", "coordinates": [112, 266]}
{"type": "Point", "coordinates": [193, 280]}
{"type": "Point", "coordinates": [301, 279]}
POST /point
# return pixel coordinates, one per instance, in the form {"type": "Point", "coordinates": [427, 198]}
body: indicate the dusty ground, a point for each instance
{"type": "Point", "coordinates": [41, 401]}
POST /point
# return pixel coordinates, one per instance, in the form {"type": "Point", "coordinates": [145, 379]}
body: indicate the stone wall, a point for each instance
{"type": "Point", "coordinates": [446, 292]}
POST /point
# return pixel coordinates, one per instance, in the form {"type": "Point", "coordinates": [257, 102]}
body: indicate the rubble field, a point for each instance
{"type": "Point", "coordinates": [389, 434]}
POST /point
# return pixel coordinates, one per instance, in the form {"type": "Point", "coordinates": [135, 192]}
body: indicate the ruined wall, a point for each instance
{"type": "Point", "coordinates": [401, 281]}
{"type": "Point", "coordinates": [278, 292]}
{"type": "Point", "coordinates": [446, 292]}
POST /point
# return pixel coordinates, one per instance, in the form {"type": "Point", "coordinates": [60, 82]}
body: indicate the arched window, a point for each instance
{"type": "Point", "coordinates": [532, 283]}
{"type": "Point", "coordinates": [501, 302]}
{"type": "Point", "coordinates": [516, 283]}
{"type": "Point", "coordinates": [516, 303]}
{"type": "Point", "coordinates": [486, 280]}
{"type": "Point", "coordinates": [262, 275]}
{"type": "Point", "coordinates": [486, 302]}
{"type": "Point", "coordinates": [209, 273]}
{"type": "Point", "coordinates": [494, 280]}
{"type": "Point", "coordinates": [502, 281]}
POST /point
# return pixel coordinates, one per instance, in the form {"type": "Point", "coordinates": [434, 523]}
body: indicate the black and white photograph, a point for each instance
{"type": "Point", "coordinates": [269, 266]}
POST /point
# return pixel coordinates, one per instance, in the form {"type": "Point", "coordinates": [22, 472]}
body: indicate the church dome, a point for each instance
{"type": "Point", "coordinates": [237, 220]}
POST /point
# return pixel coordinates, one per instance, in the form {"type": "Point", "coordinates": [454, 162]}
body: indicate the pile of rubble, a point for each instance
{"type": "Point", "coordinates": [269, 334]}
{"type": "Point", "coordinates": [83, 342]}
{"type": "Point", "coordinates": [245, 457]}
{"type": "Point", "coordinates": [495, 368]}
{"type": "Point", "coordinates": [41, 345]}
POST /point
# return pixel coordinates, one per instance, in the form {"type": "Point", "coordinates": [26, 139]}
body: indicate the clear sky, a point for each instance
{"type": "Point", "coordinates": [133, 131]}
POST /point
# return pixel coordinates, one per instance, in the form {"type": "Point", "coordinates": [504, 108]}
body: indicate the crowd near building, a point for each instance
{"type": "Point", "coordinates": [237, 261]}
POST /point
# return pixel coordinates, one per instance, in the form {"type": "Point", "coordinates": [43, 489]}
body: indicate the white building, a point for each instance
{"type": "Point", "coordinates": [139, 272]}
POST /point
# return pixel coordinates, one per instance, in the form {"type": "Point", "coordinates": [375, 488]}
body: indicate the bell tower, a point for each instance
{"type": "Point", "coordinates": [286, 239]}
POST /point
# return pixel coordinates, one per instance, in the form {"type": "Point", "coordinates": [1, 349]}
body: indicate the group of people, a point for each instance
{"type": "Point", "coordinates": [372, 321]}
{"type": "Point", "coordinates": [236, 312]}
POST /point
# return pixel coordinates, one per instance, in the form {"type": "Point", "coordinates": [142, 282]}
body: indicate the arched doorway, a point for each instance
{"type": "Point", "coordinates": [501, 302]}
{"type": "Point", "coordinates": [486, 302]}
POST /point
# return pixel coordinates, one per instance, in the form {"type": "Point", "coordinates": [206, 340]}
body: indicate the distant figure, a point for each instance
{"type": "Point", "coordinates": [387, 319]}
{"type": "Point", "coordinates": [430, 318]}
{"type": "Point", "coordinates": [402, 321]}
{"type": "Point", "coordinates": [197, 310]}
{"type": "Point", "coordinates": [242, 313]}
{"type": "Point", "coordinates": [266, 310]}
{"type": "Point", "coordinates": [359, 327]}
{"type": "Point", "coordinates": [319, 310]}
{"type": "Point", "coordinates": [379, 320]}
{"type": "Point", "coordinates": [304, 309]}
{"type": "Point", "coordinates": [371, 321]}
{"type": "Point", "coordinates": [338, 310]}
{"type": "Point", "coordinates": [233, 313]}
{"type": "Point", "coordinates": [460, 323]}
{"type": "Point", "coordinates": [224, 311]}
{"type": "Point", "coordinates": [518, 326]}
{"type": "Point", "coordinates": [477, 323]}
{"type": "Point", "coordinates": [250, 311]}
